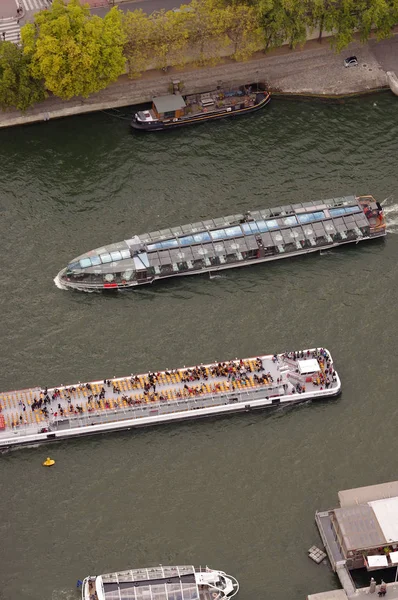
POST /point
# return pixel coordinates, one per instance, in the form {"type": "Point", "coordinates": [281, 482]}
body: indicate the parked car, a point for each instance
{"type": "Point", "coordinates": [351, 61]}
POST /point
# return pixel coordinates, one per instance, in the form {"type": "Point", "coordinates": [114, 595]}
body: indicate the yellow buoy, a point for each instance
{"type": "Point", "coordinates": [49, 462]}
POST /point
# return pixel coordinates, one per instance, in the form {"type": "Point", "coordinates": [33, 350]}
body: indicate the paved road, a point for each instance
{"type": "Point", "coordinates": [386, 53]}
{"type": "Point", "coordinates": [12, 31]}
{"type": "Point", "coordinates": [148, 6]}
{"type": "Point", "coordinates": [8, 8]}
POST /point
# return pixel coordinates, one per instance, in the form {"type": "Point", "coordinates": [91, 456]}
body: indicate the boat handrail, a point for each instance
{"type": "Point", "coordinates": [168, 406]}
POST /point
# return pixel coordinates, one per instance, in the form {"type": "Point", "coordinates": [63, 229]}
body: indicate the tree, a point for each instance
{"type": "Point", "coordinates": [283, 21]}
{"type": "Point", "coordinates": [242, 28]}
{"type": "Point", "coordinates": [169, 37]}
{"type": "Point", "coordinates": [341, 18]}
{"type": "Point", "coordinates": [138, 30]}
{"type": "Point", "coordinates": [380, 15]}
{"type": "Point", "coordinates": [18, 89]}
{"type": "Point", "coordinates": [206, 30]}
{"type": "Point", "coordinates": [75, 53]}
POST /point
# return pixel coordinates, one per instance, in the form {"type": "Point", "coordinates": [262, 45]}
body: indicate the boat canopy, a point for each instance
{"type": "Point", "coordinates": [234, 238]}
{"type": "Point", "coordinates": [158, 583]}
{"type": "Point", "coordinates": [171, 103]}
{"type": "Point", "coordinates": [308, 366]}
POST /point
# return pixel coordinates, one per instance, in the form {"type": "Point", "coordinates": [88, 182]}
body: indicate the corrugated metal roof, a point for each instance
{"type": "Point", "coordinates": [164, 104]}
{"type": "Point", "coordinates": [359, 527]}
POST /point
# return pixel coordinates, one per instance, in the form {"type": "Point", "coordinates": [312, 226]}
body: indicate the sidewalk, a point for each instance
{"type": "Point", "coordinates": [314, 70]}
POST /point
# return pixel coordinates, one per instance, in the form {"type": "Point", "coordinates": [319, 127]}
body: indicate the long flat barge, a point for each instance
{"type": "Point", "coordinates": [226, 243]}
{"type": "Point", "coordinates": [44, 414]}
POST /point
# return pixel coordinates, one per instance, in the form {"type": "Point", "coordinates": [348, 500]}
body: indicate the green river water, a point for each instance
{"type": "Point", "coordinates": [237, 493]}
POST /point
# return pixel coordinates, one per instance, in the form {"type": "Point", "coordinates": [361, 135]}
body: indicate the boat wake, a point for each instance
{"type": "Point", "coordinates": [390, 209]}
{"type": "Point", "coordinates": [59, 285]}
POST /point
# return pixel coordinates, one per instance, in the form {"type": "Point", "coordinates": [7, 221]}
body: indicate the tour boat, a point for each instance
{"type": "Point", "coordinates": [45, 414]}
{"type": "Point", "coordinates": [174, 110]}
{"type": "Point", "coordinates": [226, 242]}
{"type": "Point", "coordinates": [161, 583]}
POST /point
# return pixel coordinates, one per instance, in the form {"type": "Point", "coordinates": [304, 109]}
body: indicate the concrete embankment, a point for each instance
{"type": "Point", "coordinates": [314, 70]}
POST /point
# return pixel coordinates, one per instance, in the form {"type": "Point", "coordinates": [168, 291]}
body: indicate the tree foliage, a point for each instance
{"type": "Point", "coordinates": [170, 37]}
{"type": "Point", "coordinates": [242, 27]}
{"type": "Point", "coordinates": [18, 89]}
{"type": "Point", "coordinates": [206, 30]}
{"type": "Point", "coordinates": [138, 32]}
{"type": "Point", "coordinates": [75, 53]}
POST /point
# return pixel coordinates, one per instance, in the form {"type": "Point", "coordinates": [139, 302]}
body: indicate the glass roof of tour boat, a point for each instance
{"type": "Point", "coordinates": [260, 221]}
{"type": "Point", "coordinates": [157, 583]}
{"type": "Point", "coordinates": [225, 235]}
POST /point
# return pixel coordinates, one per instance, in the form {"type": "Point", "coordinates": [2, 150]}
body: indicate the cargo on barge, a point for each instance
{"type": "Point", "coordinates": [225, 243]}
{"type": "Point", "coordinates": [161, 583]}
{"type": "Point", "coordinates": [43, 415]}
{"type": "Point", "coordinates": [174, 110]}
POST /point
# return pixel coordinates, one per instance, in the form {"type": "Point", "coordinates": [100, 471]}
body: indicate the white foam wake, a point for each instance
{"type": "Point", "coordinates": [58, 283]}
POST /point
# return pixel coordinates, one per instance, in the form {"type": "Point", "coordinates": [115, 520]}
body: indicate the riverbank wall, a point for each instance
{"type": "Point", "coordinates": [314, 70]}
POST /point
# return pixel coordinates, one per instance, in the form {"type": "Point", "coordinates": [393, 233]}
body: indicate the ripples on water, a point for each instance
{"type": "Point", "coordinates": [237, 493]}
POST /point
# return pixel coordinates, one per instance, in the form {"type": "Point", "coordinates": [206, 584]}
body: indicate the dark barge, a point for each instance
{"type": "Point", "coordinates": [174, 110]}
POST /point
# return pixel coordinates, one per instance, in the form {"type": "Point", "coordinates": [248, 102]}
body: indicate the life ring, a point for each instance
{"type": "Point", "coordinates": [215, 595]}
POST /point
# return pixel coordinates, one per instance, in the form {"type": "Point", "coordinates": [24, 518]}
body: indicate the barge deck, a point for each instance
{"type": "Point", "coordinates": [42, 414]}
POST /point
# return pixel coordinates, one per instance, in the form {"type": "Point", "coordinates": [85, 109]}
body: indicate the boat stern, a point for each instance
{"type": "Point", "coordinates": [145, 120]}
{"type": "Point", "coordinates": [374, 214]}
{"type": "Point", "coordinates": [218, 583]}
{"type": "Point", "coordinates": [93, 588]}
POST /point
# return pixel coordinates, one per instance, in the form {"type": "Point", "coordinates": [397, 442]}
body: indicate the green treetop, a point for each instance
{"type": "Point", "coordinates": [18, 89]}
{"type": "Point", "coordinates": [75, 53]}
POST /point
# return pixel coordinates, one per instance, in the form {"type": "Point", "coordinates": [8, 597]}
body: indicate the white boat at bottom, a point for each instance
{"type": "Point", "coordinates": [46, 415]}
{"type": "Point", "coordinates": [161, 583]}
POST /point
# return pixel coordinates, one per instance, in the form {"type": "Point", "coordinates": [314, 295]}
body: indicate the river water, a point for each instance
{"type": "Point", "coordinates": [236, 493]}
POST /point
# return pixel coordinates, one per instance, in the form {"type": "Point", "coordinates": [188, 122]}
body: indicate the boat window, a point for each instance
{"type": "Point", "coordinates": [187, 240]}
{"type": "Point", "coordinates": [125, 253]}
{"type": "Point", "coordinates": [218, 234]}
{"type": "Point", "coordinates": [157, 246]}
{"type": "Point", "coordinates": [262, 226]}
{"type": "Point", "coordinates": [337, 212]}
{"type": "Point", "coordinates": [105, 258]}
{"type": "Point", "coordinates": [85, 262]}
{"type": "Point", "coordinates": [116, 255]}
{"type": "Point", "coordinates": [74, 265]}
{"type": "Point", "coordinates": [290, 221]}
{"type": "Point", "coordinates": [161, 245]}
{"type": "Point", "coordinates": [272, 224]}
{"type": "Point", "coordinates": [95, 260]}
{"type": "Point", "coordinates": [233, 231]}
{"type": "Point", "coordinates": [202, 237]}
{"type": "Point", "coordinates": [253, 227]}
{"type": "Point", "coordinates": [352, 209]}
{"type": "Point", "coordinates": [246, 228]}
{"type": "Point", "coordinates": [308, 217]}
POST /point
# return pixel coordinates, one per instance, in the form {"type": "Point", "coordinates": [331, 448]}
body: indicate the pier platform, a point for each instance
{"type": "Point", "coordinates": [48, 414]}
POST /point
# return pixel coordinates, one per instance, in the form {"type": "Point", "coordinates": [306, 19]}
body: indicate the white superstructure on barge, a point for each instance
{"type": "Point", "coordinates": [42, 415]}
